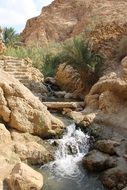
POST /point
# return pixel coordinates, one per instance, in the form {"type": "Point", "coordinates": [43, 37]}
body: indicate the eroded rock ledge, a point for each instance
{"type": "Point", "coordinates": [21, 110]}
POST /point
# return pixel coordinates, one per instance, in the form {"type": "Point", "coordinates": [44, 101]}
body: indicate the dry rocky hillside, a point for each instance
{"type": "Point", "coordinates": [102, 21]}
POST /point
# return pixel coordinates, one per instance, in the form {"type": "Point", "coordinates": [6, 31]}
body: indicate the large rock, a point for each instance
{"type": "Point", "coordinates": [98, 161]}
{"type": "Point", "coordinates": [69, 79]}
{"type": "Point", "coordinates": [44, 152]}
{"type": "Point", "coordinates": [32, 153]}
{"type": "Point", "coordinates": [21, 110]}
{"type": "Point", "coordinates": [107, 146]}
{"type": "Point", "coordinates": [115, 178]}
{"type": "Point", "coordinates": [108, 99]}
{"type": "Point", "coordinates": [8, 158]}
{"type": "Point", "coordinates": [23, 177]}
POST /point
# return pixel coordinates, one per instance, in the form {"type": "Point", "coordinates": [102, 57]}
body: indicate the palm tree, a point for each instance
{"type": "Point", "coordinates": [10, 36]}
{"type": "Point", "coordinates": [79, 54]}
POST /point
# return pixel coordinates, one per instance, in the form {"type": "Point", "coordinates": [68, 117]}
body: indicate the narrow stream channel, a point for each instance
{"type": "Point", "coordinates": [66, 172]}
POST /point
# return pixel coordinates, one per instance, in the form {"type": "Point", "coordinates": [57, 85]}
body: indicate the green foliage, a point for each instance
{"type": "Point", "coordinates": [10, 37]}
{"type": "Point", "coordinates": [76, 52]}
{"type": "Point", "coordinates": [80, 55]}
{"type": "Point", "coordinates": [122, 49]}
{"type": "Point", "coordinates": [35, 54]}
{"type": "Point", "coordinates": [50, 63]}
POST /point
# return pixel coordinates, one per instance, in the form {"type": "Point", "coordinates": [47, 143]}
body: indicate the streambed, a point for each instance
{"type": "Point", "coordinates": [66, 172]}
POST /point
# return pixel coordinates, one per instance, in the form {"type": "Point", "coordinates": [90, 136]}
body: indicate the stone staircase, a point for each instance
{"type": "Point", "coordinates": [18, 69]}
{"type": "Point", "coordinates": [29, 76]}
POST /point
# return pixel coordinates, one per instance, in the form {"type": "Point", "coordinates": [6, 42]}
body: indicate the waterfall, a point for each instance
{"type": "Point", "coordinates": [66, 172]}
{"type": "Point", "coordinates": [72, 147]}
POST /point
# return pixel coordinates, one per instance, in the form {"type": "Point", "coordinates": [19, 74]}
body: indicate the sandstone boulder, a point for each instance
{"type": "Point", "coordinates": [24, 178]}
{"type": "Point", "coordinates": [23, 111]}
{"type": "Point", "coordinates": [33, 149]}
{"type": "Point", "coordinates": [108, 100]}
{"type": "Point", "coordinates": [32, 153]}
{"type": "Point", "coordinates": [8, 158]}
{"type": "Point", "coordinates": [69, 79]}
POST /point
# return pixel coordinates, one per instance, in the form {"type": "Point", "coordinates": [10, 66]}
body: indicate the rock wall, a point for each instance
{"type": "Point", "coordinates": [104, 22]}
{"type": "Point", "coordinates": [108, 98]}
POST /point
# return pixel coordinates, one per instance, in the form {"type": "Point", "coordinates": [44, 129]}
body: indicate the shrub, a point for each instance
{"type": "Point", "coordinates": [35, 54]}
{"type": "Point", "coordinates": [50, 63]}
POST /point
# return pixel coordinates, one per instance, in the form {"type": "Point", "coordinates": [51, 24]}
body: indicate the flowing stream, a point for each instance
{"type": "Point", "coordinates": [66, 172]}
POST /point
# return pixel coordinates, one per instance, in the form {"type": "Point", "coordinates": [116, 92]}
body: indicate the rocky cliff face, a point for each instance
{"type": "Point", "coordinates": [103, 21]}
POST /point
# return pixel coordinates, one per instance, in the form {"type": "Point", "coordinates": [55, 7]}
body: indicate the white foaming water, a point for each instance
{"type": "Point", "coordinates": [71, 148]}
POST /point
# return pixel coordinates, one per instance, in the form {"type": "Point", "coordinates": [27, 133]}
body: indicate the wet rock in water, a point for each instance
{"type": "Point", "coordinates": [70, 96]}
{"type": "Point", "coordinates": [72, 149]}
{"type": "Point", "coordinates": [115, 178]}
{"type": "Point", "coordinates": [107, 146]}
{"type": "Point", "coordinates": [60, 94]}
{"type": "Point", "coordinates": [98, 161]}
{"type": "Point", "coordinates": [23, 177]}
{"type": "Point", "coordinates": [50, 80]}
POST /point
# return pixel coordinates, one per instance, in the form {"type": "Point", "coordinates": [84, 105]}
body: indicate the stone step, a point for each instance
{"type": "Point", "coordinates": [62, 105]}
{"type": "Point", "coordinates": [16, 65]}
{"type": "Point", "coordinates": [15, 61]}
{"type": "Point", "coordinates": [25, 82]}
{"type": "Point", "coordinates": [15, 69]}
{"type": "Point", "coordinates": [21, 77]}
{"type": "Point", "coordinates": [18, 73]}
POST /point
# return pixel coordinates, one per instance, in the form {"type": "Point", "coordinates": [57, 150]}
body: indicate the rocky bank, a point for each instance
{"type": "Point", "coordinates": [105, 118]}
{"type": "Point", "coordinates": [22, 115]}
